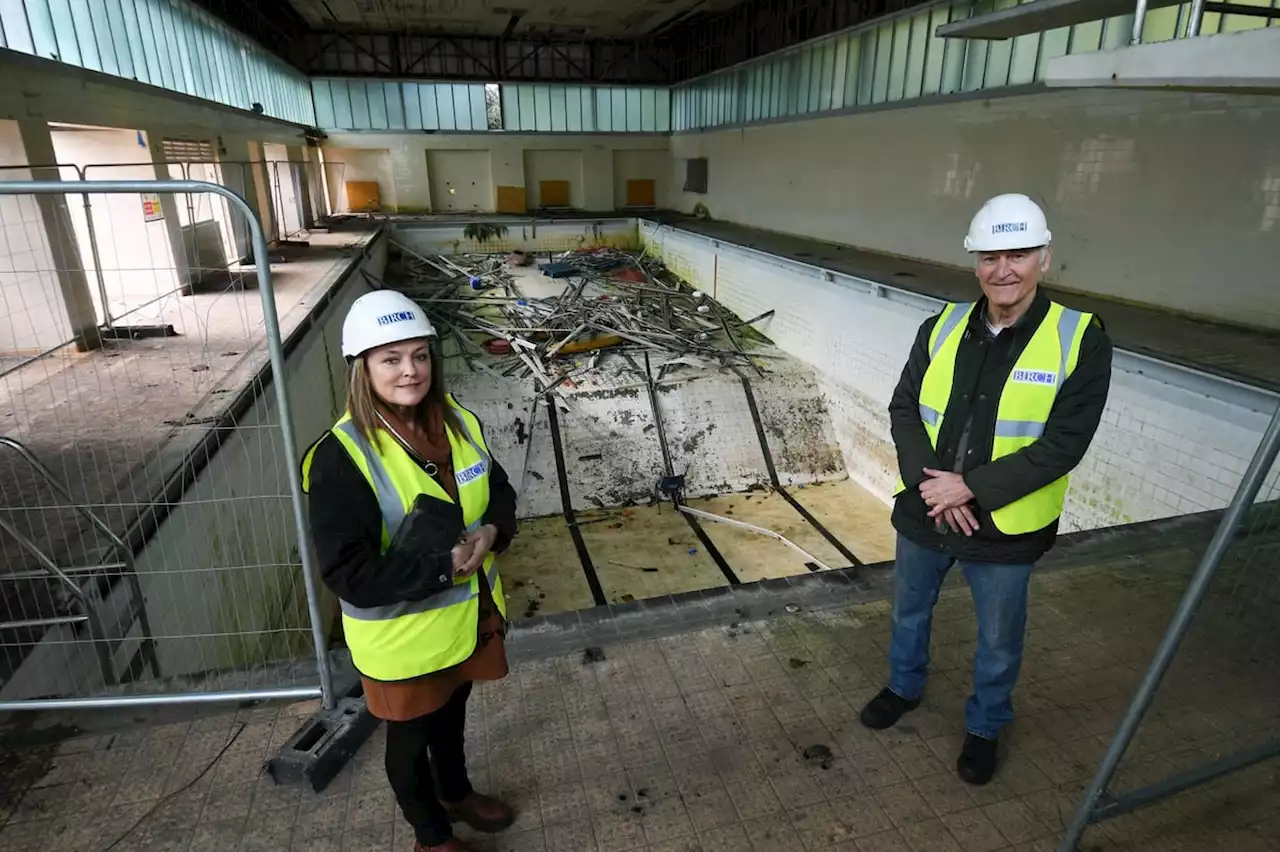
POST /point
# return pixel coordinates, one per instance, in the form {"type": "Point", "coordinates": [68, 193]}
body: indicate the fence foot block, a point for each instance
{"type": "Point", "coordinates": [319, 749]}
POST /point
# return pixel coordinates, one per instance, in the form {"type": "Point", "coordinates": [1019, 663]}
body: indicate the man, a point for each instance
{"type": "Point", "coordinates": [997, 404]}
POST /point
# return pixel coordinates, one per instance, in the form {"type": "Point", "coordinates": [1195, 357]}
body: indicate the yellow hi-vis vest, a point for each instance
{"type": "Point", "coordinates": [405, 640]}
{"type": "Point", "coordinates": [1025, 401]}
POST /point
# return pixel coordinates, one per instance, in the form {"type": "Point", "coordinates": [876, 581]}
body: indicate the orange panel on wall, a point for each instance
{"type": "Point", "coordinates": [641, 193]}
{"type": "Point", "coordinates": [363, 196]}
{"type": "Point", "coordinates": [510, 199]}
{"type": "Point", "coordinates": [554, 193]}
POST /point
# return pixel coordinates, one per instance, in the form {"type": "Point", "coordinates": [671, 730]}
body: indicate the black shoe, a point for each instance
{"type": "Point", "coordinates": [977, 761]}
{"type": "Point", "coordinates": [886, 709]}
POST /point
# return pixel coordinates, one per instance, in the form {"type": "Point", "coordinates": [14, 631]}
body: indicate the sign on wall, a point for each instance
{"type": "Point", "coordinates": [151, 211]}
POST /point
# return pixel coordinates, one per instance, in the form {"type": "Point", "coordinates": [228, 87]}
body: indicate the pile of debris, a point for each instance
{"type": "Point", "coordinates": [612, 302]}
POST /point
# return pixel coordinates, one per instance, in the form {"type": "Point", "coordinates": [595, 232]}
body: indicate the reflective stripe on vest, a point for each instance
{"type": "Point", "coordinates": [1025, 400]}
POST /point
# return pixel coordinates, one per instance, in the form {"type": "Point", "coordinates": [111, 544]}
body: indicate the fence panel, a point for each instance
{"type": "Point", "coordinates": [152, 532]}
{"type": "Point", "coordinates": [1208, 708]}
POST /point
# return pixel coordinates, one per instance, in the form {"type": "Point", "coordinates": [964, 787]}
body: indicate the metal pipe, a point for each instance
{"type": "Point", "coordinates": [1195, 18]}
{"type": "Point", "coordinates": [275, 347]}
{"type": "Point", "coordinates": [107, 702]}
{"type": "Point", "coordinates": [1139, 18]}
{"type": "Point", "coordinates": [1204, 773]}
{"type": "Point", "coordinates": [1250, 484]}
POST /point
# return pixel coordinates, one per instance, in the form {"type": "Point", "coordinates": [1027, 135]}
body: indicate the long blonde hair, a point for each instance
{"type": "Point", "coordinates": [362, 399]}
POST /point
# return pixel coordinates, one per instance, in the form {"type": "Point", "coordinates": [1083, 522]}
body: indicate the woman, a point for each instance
{"type": "Point", "coordinates": [407, 510]}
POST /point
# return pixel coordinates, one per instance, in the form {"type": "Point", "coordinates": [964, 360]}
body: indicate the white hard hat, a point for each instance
{"type": "Point", "coordinates": [1008, 222]}
{"type": "Point", "coordinates": [382, 317]}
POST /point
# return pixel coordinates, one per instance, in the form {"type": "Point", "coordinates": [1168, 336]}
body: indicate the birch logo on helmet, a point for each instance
{"type": "Point", "coordinates": [398, 316]}
{"type": "Point", "coordinates": [1008, 227]}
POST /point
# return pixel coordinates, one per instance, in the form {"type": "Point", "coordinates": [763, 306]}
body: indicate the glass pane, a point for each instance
{"type": "Point", "coordinates": [648, 110]}
{"type": "Point", "coordinates": [412, 105]}
{"type": "Point", "coordinates": [884, 56]}
{"type": "Point", "coordinates": [852, 69]}
{"type": "Point", "coordinates": [918, 57]}
{"type": "Point", "coordinates": [662, 106]}
{"type": "Point", "coordinates": [359, 94]}
{"type": "Point", "coordinates": [527, 108]}
{"type": "Point", "coordinates": [1052, 45]}
{"type": "Point", "coordinates": [68, 49]}
{"type": "Point", "coordinates": [634, 112]}
{"type": "Point", "coordinates": [14, 32]}
{"type": "Point", "coordinates": [1116, 32]}
{"type": "Point", "coordinates": [430, 106]}
{"type": "Point", "coordinates": [900, 54]}
{"type": "Point", "coordinates": [604, 111]}
{"type": "Point", "coordinates": [342, 114]}
{"type": "Point", "coordinates": [324, 103]}
{"type": "Point", "coordinates": [826, 74]}
{"type": "Point", "coordinates": [1161, 24]}
{"type": "Point", "coordinates": [40, 19]}
{"type": "Point", "coordinates": [1085, 38]}
{"type": "Point", "coordinates": [541, 108]}
{"type": "Point", "coordinates": [867, 69]}
{"type": "Point", "coordinates": [444, 107]}
{"type": "Point", "coordinates": [479, 117]}
{"type": "Point", "coordinates": [394, 100]}
{"type": "Point", "coordinates": [839, 70]}
{"type": "Point", "coordinates": [573, 109]}
{"type": "Point", "coordinates": [462, 109]}
{"type": "Point", "coordinates": [934, 59]}
{"type": "Point", "coordinates": [1026, 56]}
{"type": "Point", "coordinates": [82, 21]}
{"type": "Point", "coordinates": [619, 121]}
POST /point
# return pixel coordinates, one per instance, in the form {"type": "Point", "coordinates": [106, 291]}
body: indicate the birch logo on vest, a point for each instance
{"type": "Point", "coordinates": [398, 316]}
{"type": "Point", "coordinates": [1035, 377]}
{"type": "Point", "coordinates": [470, 474]}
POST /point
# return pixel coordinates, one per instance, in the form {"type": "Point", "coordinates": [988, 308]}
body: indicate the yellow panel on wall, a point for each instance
{"type": "Point", "coordinates": [554, 193]}
{"type": "Point", "coordinates": [510, 200]}
{"type": "Point", "coordinates": [363, 196]}
{"type": "Point", "coordinates": [641, 193]}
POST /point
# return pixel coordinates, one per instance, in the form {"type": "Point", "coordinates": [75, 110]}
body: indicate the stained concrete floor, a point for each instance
{"type": "Point", "coordinates": [694, 741]}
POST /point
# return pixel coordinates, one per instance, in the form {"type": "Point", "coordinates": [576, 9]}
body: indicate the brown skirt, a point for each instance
{"type": "Point", "coordinates": [401, 700]}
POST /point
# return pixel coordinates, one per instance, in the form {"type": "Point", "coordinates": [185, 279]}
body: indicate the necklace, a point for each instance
{"type": "Point", "coordinates": [430, 467]}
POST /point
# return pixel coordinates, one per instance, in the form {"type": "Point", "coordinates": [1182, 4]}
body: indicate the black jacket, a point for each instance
{"type": "Point", "coordinates": [983, 364]}
{"type": "Point", "coordinates": [346, 525]}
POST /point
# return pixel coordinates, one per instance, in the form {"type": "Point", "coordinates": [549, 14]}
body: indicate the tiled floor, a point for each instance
{"type": "Point", "coordinates": [698, 741]}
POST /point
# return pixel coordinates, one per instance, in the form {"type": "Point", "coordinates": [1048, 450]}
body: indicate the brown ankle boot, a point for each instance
{"type": "Point", "coordinates": [481, 812]}
{"type": "Point", "coordinates": [453, 844]}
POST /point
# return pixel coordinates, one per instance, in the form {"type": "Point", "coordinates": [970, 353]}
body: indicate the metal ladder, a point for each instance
{"type": "Point", "coordinates": [89, 587]}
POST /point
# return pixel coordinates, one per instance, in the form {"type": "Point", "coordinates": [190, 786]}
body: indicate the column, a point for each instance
{"type": "Point", "coordinates": [73, 284]}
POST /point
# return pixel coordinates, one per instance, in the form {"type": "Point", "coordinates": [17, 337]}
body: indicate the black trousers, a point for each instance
{"type": "Point", "coordinates": [426, 764]}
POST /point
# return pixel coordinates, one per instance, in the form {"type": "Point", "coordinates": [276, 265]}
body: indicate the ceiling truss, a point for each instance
{"type": "Point", "coordinates": [688, 46]}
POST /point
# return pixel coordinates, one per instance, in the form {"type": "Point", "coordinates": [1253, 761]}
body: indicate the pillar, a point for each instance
{"type": "Point", "coordinates": [183, 250]}
{"type": "Point", "coordinates": [73, 284]}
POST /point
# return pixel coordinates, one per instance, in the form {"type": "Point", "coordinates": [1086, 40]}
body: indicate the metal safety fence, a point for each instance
{"type": "Point", "coordinates": [153, 544]}
{"type": "Point", "coordinates": [1208, 707]}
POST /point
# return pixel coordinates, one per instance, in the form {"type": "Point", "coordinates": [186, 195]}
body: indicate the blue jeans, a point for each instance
{"type": "Point", "coordinates": [1000, 598]}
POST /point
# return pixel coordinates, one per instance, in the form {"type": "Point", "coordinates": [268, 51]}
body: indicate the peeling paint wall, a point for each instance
{"type": "Point", "coordinates": [524, 234]}
{"type": "Point", "coordinates": [1171, 441]}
